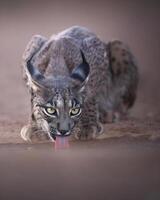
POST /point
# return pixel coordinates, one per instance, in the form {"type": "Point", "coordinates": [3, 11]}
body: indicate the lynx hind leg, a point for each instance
{"type": "Point", "coordinates": [125, 75]}
{"type": "Point", "coordinates": [108, 112]}
{"type": "Point", "coordinates": [123, 62]}
{"type": "Point", "coordinates": [106, 117]}
{"type": "Point", "coordinates": [120, 57]}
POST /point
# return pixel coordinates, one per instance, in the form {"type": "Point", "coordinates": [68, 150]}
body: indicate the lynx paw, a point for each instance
{"type": "Point", "coordinates": [89, 133]}
{"type": "Point", "coordinates": [30, 134]}
{"type": "Point", "coordinates": [26, 133]}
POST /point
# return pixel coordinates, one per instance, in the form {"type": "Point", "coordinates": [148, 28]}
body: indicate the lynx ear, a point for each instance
{"type": "Point", "coordinates": [81, 72]}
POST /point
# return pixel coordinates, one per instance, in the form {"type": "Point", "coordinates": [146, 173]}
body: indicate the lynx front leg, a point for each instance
{"type": "Point", "coordinates": [32, 131]}
{"type": "Point", "coordinates": [89, 126]}
{"type": "Point", "coordinates": [27, 132]}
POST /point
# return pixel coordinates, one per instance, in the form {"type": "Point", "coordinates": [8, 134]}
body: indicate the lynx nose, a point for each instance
{"type": "Point", "coordinates": [63, 132]}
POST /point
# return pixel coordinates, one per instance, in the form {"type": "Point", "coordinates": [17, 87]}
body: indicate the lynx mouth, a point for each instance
{"type": "Point", "coordinates": [54, 133]}
{"type": "Point", "coordinates": [60, 141]}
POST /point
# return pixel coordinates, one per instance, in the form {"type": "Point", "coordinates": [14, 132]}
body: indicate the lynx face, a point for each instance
{"type": "Point", "coordinates": [58, 100]}
{"type": "Point", "coordinates": [61, 108]}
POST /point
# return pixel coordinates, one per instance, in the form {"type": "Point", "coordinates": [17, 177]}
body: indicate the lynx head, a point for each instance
{"type": "Point", "coordinates": [59, 100]}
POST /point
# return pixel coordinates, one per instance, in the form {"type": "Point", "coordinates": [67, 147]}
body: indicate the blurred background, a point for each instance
{"type": "Point", "coordinates": [134, 22]}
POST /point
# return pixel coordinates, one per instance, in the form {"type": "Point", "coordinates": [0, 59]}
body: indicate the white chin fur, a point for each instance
{"type": "Point", "coordinates": [68, 133]}
{"type": "Point", "coordinates": [58, 133]}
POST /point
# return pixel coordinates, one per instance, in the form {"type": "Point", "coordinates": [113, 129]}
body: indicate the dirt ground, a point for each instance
{"type": "Point", "coordinates": [134, 129]}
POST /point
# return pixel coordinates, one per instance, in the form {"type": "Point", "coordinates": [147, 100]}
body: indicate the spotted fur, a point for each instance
{"type": "Point", "coordinates": [109, 87]}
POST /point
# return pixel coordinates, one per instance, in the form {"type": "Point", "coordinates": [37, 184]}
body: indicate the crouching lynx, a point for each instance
{"type": "Point", "coordinates": [77, 83]}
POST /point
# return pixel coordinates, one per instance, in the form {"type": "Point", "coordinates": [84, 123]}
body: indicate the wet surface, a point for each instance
{"type": "Point", "coordinates": [87, 170]}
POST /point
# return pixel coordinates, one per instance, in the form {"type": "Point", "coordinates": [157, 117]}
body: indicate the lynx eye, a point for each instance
{"type": "Point", "coordinates": [50, 111]}
{"type": "Point", "coordinates": [75, 111]}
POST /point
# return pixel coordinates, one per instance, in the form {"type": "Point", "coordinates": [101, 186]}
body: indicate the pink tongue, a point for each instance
{"type": "Point", "coordinates": [61, 143]}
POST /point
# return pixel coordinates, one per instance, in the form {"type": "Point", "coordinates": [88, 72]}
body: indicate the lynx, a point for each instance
{"type": "Point", "coordinates": [77, 83]}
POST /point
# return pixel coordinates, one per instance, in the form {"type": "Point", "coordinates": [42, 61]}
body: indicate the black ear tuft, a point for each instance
{"type": "Point", "coordinates": [81, 72]}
